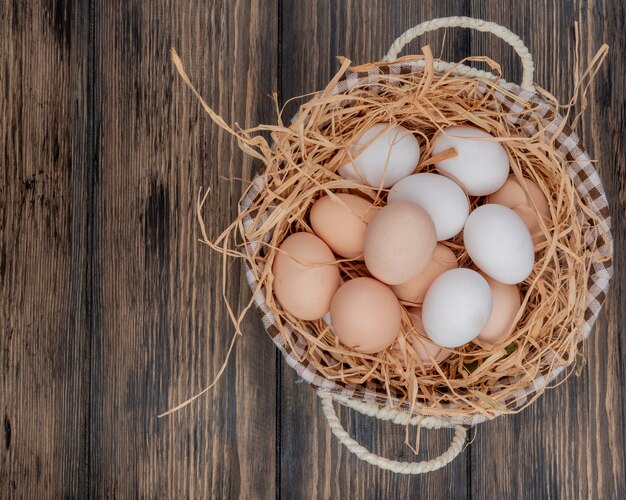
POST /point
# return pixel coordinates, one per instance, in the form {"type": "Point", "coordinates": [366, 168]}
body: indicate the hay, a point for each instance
{"type": "Point", "coordinates": [300, 166]}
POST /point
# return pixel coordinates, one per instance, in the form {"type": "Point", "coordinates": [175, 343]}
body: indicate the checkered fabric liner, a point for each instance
{"type": "Point", "coordinates": [582, 173]}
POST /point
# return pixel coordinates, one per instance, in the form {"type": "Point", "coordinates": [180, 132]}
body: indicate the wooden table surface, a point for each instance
{"type": "Point", "coordinates": [111, 312]}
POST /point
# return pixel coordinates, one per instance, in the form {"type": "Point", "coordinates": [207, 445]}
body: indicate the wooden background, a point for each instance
{"type": "Point", "coordinates": [111, 312]}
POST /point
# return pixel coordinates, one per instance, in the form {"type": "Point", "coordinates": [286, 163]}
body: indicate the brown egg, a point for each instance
{"type": "Point", "coordinates": [400, 242]}
{"type": "Point", "coordinates": [425, 348]}
{"type": "Point", "coordinates": [512, 195]}
{"type": "Point", "coordinates": [415, 289]}
{"type": "Point", "coordinates": [366, 315]}
{"type": "Point", "coordinates": [506, 300]}
{"type": "Point", "coordinates": [341, 223]}
{"type": "Point", "coordinates": [305, 276]}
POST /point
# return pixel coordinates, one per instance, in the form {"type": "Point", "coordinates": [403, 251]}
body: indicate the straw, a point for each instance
{"type": "Point", "coordinates": [300, 166]}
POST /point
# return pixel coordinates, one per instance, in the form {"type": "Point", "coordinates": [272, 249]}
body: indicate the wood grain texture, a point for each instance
{"type": "Point", "coordinates": [43, 233]}
{"type": "Point", "coordinates": [163, 332]}
{"type": "Point", "coordinates": [112, 312]}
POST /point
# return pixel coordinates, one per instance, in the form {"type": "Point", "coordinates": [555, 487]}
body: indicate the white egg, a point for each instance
{"type": "Point", "coordinates": [499, 243]}
{"type": "Point", "coordinates": [457, 307]}
{"type": "Point", "coordinates": [442, 198]}
{"type": "Point", "coordinates": [382, 156]}
{"type": "Point", "coordinates": [481, 165]}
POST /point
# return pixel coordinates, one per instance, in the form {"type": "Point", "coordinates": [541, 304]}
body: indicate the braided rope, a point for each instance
{"type": "Point", "coordinates": [384, 413]}
{"type": "Point", "coordinates": [397, 417]}
{"type": "Point", "coordinates": [501, 32]}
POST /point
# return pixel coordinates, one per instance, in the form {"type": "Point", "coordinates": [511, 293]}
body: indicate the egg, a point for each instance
{"type": "Point", "coordinates": [443, 199]}
{"type": "Point", "coordinates": [415, 289]}
{"type": "Point", "coordinates": [326, 319]}
{"type": "Point", "coordinates": [481, 165]}
{"type": "Point", "coordinates": [366, 315]}
{"type": "Point", "coordinates": [382, 155]}
{"type": "Point", "coordinates": [400, 242]}
{"type": "Point", "coordinates": [457, 307]}
{"type": "Point", "coordinates": [305, 276]}
{"type": "Point", "coordinates": [423, 346]}
{"type": "Point", "coordinates": [499, 243]}
{"type": "Point", "coordinates": [341, 222]}
{"type": "Point", "coordinates": [530, 207]}
{"type": "Point", "coordinates": [506, 301]}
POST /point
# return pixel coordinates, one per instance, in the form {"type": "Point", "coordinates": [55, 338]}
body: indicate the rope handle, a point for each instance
{"type": "Point", "coordinates": [501, 32]}
{"type": "Point", "coordinates": [397, 417]}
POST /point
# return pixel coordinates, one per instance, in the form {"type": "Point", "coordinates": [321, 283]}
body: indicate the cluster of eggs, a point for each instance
{"type": "Point", "coordinates": [401, 245]}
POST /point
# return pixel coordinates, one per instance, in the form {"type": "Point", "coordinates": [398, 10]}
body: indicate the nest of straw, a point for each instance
{"type": "Point", "coordinates": [300, 165]}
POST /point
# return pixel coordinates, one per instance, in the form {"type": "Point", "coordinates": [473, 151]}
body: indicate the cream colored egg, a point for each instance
{"type": "Point", "coordinates": [506, 303]}
{"type": "Point", "coordinates": [400, 242]}
{"type": "Point", "coordinates": [530, 207]}
{"type": "Point", "coordinates": [499, 243]}
{"type": "Point", "coordinates": [305, 276]}
{"type": "Point", "coordinates": [366, 316]}
{"type": "Point", "coordinates": [382, 156]}
{"type": "Point", "coordinates": [341, 222]}
{"type": "Point", "coordinates": [481, 165]}
{"type": "Point", "coordinates": [415, 289]}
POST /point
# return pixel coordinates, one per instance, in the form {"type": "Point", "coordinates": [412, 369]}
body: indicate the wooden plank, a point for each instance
{"type": "Point", "coordinates": [570, 444]}
{"type": "Point", "coordinates": [162, 331]}
{"type": "Point", "coordinates": [44, 151]}
{"type": "Point", "coordinates": [110, 286]}
{"type": "Point", "coordinates": [313, 464]}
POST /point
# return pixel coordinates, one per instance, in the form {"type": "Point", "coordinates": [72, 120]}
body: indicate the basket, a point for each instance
{"type": "Point", "coordinates": [371, 400]}
{"type": "Point", "coordinates": [533, 113]}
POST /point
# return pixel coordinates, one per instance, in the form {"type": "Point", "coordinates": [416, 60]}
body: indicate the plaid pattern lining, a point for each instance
{"type": "Point", "coordinates": [584, 177]}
